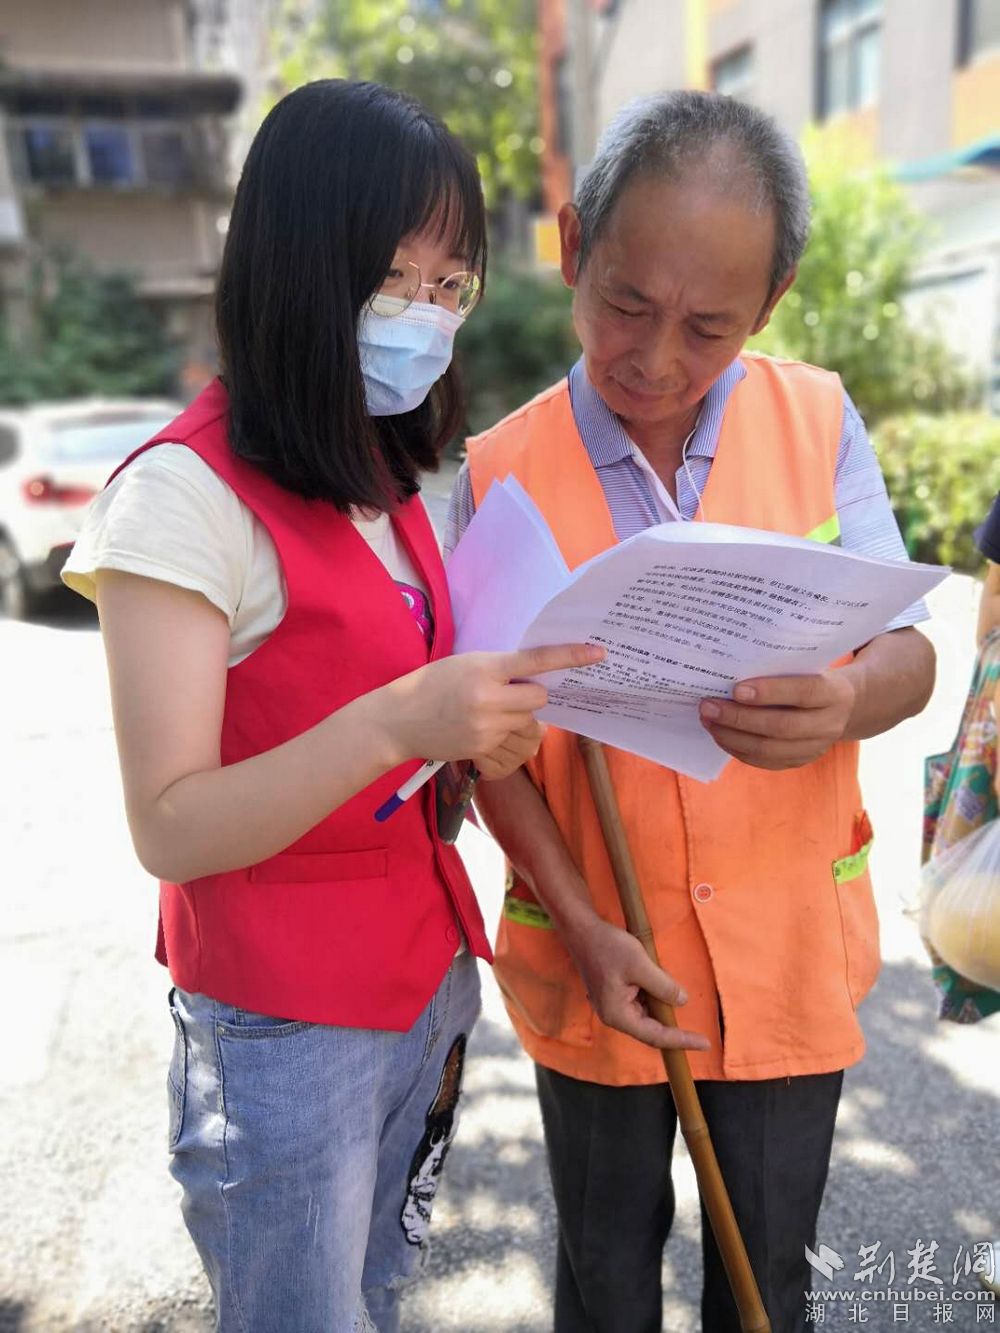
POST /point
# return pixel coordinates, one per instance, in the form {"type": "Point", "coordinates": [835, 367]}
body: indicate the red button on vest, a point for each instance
{"type": "Point", "coordinates": [353, 924]}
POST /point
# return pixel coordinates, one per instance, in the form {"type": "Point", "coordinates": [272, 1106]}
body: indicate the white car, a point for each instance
{"type": "Point", "coordinates": [54, 458]}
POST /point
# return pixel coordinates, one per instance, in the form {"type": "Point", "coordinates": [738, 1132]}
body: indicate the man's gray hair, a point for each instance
{"type": "Point", "coordinates": [672, 135]}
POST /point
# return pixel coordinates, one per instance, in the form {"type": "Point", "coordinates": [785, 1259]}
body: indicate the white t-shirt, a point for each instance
{"type": "Point", "coordinates": [169, 516]}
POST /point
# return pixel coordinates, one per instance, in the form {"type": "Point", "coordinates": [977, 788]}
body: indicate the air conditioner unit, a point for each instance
{"type": "Point", "coordinates": [11, 222]}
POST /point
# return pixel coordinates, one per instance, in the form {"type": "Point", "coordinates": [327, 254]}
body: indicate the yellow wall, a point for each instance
{"type": "Point", "coordinates": [851, 139]}
{"type": "Point", "coordinates": [975, 101]}
{"type": "Point", "coordinates": [696, 44]}
{"type": "Point", "coordinates": [547, 248]}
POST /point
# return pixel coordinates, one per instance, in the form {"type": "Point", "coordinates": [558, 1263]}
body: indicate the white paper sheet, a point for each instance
{"type": "Point", "coordinates": [685, 611]}
{"type": "Point", "coordinates": [503, 571]}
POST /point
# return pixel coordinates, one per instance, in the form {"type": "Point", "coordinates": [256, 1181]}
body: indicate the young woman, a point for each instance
{"type": "Point", "coordinates": [278, 634]}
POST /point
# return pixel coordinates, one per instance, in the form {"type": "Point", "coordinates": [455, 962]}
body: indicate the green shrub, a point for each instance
{"type": "Point", "coordinates": [942, 473]}
{"type": "Point", "coordinates": [846, 309]}
{"type": "Point", "coordinates": [516, 343]}
{"type": "Point", "coordinates": [88, 333]}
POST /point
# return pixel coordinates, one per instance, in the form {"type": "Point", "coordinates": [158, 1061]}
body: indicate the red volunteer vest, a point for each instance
{"type": "Point", "coordinates": [356, 923]}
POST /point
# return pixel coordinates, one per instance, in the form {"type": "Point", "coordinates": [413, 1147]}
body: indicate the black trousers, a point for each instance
{"type": "Point", "coordinates": [609, 1153]}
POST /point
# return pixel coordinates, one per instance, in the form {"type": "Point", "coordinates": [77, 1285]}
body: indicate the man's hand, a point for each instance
{"type": "Point", "coordinates": [615, 970]}
{"type": "Point", "coordinates": [783, 721]}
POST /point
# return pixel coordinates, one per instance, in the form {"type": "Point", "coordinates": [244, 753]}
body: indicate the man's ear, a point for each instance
{"type": "Point", "coordinates": [765, 315]}
{"type": "Point", "coordinates": [569, 244]}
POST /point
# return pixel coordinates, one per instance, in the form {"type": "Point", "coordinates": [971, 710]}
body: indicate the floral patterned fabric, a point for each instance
{"type": "Point", "coordinates": [959, 797]}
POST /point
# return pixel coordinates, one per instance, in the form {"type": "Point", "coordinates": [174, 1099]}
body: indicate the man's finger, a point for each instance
{"type": "Point", "coordinates": [556, 657]}
{"type": "Point", "coordinates": [657, 983]}
{"type": "Point", "coordinates": [784, 691]}
{"type": "Point", "coordinates": [780, 723]}
{"type": "Point", "coordinates": [646, 1029]}
{"type": "Point", "coordinates": [765, 752]}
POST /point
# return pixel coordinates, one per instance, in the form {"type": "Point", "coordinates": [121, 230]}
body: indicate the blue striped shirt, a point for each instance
{"type": "Point", "coordinates": [867, 524]}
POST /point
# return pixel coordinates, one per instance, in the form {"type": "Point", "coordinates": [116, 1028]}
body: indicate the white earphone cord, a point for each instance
{"type": "Point", "coordinates": [700, 510]}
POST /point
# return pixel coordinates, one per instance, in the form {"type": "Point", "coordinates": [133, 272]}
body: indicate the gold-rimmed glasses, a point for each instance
{"type": "Point", "coordinates": [458, 292]}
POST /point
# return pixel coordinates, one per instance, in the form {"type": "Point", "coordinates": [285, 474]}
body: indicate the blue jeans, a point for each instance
{"type": "Point", "coordinates": [309, 1156]}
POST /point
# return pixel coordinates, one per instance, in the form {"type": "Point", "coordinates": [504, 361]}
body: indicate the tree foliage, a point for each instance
{"type": "Point", "coordinates": [471, 62]}
{"type": "Point", "coordinates": [941, 472]}
{"type": "Point", "coordinates": [518, 343]}
{"type": "Point", "coordinates": [88, 333]}
{"type": "Point", "coordinates": [846, 309]}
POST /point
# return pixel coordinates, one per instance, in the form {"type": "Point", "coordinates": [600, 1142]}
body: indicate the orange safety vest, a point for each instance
{"type": "Point", "coordinates": [756, 884]}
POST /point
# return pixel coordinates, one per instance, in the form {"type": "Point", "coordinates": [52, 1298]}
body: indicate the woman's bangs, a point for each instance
{"type": "Point", "coordinates": [445, 200]}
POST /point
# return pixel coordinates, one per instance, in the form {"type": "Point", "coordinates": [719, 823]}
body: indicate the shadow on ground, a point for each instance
{"type": "Point", "coordinates": [914, 1160]}
{"type": "Point", "coordinates": [12, 1315]}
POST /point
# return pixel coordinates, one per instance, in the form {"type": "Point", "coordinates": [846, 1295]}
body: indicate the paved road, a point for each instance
{"type": "Point", "coordinates": [91, 1238]}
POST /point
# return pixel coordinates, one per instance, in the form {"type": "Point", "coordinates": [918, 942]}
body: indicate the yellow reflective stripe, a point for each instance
{"type": "Point", "coordinates": [828, 532]}
{"type": "Point", "coordinates": [526, 914]}
{"type": "Point", "coordinates": [850, 867]}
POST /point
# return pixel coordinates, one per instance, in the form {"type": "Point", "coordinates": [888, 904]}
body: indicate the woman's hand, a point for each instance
{"type": "Point", "coordinates": [477, 706]}
{"type": "Point", "coordinates": [191, 815]}
{"type": "Point", "coordinates": [517, 749]}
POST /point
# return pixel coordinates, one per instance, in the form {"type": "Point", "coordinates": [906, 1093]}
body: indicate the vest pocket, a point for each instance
{"type": "Point", "coordinates": [858, 916]}
{"type": "Point", "coordinates": [537, 977]}
{"type": "Point", "coordinates": [321, 867]}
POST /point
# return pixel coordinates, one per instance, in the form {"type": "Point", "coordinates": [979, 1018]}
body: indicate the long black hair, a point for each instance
{"type": "Point", "coordinates": [337, 175]}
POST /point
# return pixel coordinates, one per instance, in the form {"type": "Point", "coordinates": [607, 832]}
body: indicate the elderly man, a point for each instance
{"type": "Point", "coordinates": [685, 234]}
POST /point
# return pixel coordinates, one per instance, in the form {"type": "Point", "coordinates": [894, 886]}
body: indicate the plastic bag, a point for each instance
{"type": "Point", "coordinates": [959, 794]}
{"type": "Point", "coordinates": [960, 905]}
{"type": "Point", "coordinates": [959, 798]}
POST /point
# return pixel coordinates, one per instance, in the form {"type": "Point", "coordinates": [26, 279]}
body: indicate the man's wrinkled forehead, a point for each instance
{"type": "Point", "coordinates": [664, 231]}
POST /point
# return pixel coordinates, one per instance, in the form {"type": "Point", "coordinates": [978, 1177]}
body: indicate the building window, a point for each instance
{"type": "Point", "coordinates": [103, 144]}
{"type": "Point", "coordinates": [978, 29]}
{"type": "Point", "coordinates": [109, 155]}
{"type": "Point", "coordinates": [850, 42]}
{"type": "Point", "coordinates": [732, 74]}
{"type": "Point", "coordinates": [166, 152]}
{"type": "Point", "coordinates": [49, 154]}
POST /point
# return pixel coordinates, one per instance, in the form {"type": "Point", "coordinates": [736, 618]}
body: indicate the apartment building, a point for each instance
{"type": "Point", "coordinates": [115, 128]}
{"type": "Point", "coordinates": [915, 83]}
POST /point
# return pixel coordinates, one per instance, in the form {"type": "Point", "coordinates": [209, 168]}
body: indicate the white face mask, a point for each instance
{"type": "Point", "coordinates": [402, 357]}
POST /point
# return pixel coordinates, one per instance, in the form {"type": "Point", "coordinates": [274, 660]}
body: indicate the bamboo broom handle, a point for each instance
{"type": "Point", "coordinates": [753, 1317]}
